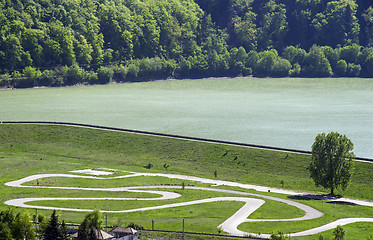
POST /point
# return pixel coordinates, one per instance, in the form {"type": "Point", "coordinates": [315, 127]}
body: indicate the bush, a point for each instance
{"type": "Point", "coordinates": [294, 55]}
{"type": "Point", "coordinates": [341, 68]}
{"type": "Point", "coordinates": [339, 233]}
{"type": "Point", "coordinates": [279, 236]}
{"type": "Point", "coordinates": [105, 75]}
{"type": "Point", "coordinates": [350, 53]}
{"type": "Point", "coordinates": [369, 64]}
{"type": "Point", "coordinates": [353, 70]}
{"type": "Point", "coordinates": [31, 73]}
{"type": "Point", "coordinates": [133, 71]}
{"type": "Point", "coordinates": [316, 64]}
{"type": "Point", "coordinates": [73, 74]}
{"type": "Point", "coordinates": [90, 77]}
{"type": "Point", "coordinates": [281, 68]}
{"type": "Point", "coordinates": [265, 63]}
{"type": "Point", "coordinates": [120, 73]}
{"type": "Point", "coordinates": [296, 71]}
{"type": "Point", "coordinates": [47, 78]}
{"type": "Point", "coordinates": [149, 166]}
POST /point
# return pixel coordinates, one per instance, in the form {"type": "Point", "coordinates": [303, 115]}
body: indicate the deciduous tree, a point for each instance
{"type": "Point", "coordinates": [331, 166]}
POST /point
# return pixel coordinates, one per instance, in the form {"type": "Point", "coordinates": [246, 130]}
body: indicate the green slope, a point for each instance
{"type": "Point", "coordinates": [34, 149]}
{"type": "Point", "coordinates": [49, 148]}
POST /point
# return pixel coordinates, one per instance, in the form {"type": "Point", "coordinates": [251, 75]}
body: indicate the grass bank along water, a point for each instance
{"type": "Point", "coordinates": [175, 136]}
{"type": "Point", "coordinates": [286, 113]}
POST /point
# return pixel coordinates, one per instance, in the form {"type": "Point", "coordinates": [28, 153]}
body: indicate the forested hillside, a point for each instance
{"type": "Point", "coordinates": [65, 42]}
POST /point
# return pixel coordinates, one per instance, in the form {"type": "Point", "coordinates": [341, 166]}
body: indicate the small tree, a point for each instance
{"type": "Point", "coordinates": [22, 227]}
{"type": "Point", "coordinates": [63, 231]}
{"type": "Point", "coordinates": [341, 68]}
{"type": "Point", "coordinates": [52, 231]}
{"type": "Point", "coordinates": [166, 166]}
{"type": "Point", "coordinates": [94, 219]}
{"type": "Point", "coordinates": [91, 223]}
{"type": "Point", "coordinates": [5, 231]}
{"type": "Point", "coordinates": [279, 236]}
{"type": "Point", "coordinates": [92, 234]}
{"type": "Point", "coordinates": [331, 165]}
{"type": "Point", "coordinates": [339, 233]}
{"type": "Point", "coordinates": [43, 223]}
{"type": "Point", "coordinates": [83, 231]}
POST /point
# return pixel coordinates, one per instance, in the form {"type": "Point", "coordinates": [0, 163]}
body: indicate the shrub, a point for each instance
{"type": "Point", "coordinates": [74, 74]}
{"type": "Point", "coordinates": [149, 166]}
{"type": "Point", "coordinates": [265, 63]}
{"type": "Point", "coordinates": [105, 74]}
{"type": "Point", "coordinates": [31, 73]}
{"type": "Point", "coordinates": [339, 233]}
{"type": "Point", "coordinates": [316, 64]}
{"type": "Point", "coordinates": [350, 53]}
{"type": "Point", "coordinates": [296, 70]}
{"type": "Point", "coordinates": [120, 73]}
{"type": "Point", "coordinates": [281, 68]}
{"type": "Point", "coordinates": [353, 70]}
{"type": "Point", "coordinates": [294, 55]}
{"type": "Point", "coordinates": [341, 68]}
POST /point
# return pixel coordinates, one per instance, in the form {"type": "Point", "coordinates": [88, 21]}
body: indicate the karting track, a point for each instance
{"type": "Point", "coordinates": [252, 203]}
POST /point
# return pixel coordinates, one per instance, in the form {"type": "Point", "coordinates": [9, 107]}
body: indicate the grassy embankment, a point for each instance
{"type": "Point", "coordinates": [30, 149]}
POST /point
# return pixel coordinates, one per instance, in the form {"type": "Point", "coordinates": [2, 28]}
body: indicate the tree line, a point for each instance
{"type": "Point", "coordinates": [22, 226]}
{"type": "Point", "coordinates": [59, 42]}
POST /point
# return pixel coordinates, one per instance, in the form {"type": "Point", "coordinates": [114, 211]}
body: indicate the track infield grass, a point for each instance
{"type": "Point", "coordinates": [31, 149]}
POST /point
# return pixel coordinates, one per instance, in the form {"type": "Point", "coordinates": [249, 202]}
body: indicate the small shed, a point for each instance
{"type": "Point", "coordinates": [125, 233]}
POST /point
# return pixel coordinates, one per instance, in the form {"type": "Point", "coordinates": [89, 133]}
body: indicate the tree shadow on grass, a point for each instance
{"type": "Point", "coordinates": [334, 199]}
{"type": "Point", "coordinates": [325, 197]}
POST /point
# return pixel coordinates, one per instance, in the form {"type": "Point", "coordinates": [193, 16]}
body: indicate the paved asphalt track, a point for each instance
{"type": "Point", "coordinates": [252, 203]}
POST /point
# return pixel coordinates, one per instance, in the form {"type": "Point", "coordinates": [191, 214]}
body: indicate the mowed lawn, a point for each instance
{"type": "Point", "coordinates": [35, 149]}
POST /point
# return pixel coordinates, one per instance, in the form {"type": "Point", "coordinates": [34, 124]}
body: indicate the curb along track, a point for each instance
{"type": "Point", "coordinates": [173, 136]}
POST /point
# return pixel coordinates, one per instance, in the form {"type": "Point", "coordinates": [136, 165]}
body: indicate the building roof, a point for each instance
{"type": "Point", "coordinates": [127, 230]}
{"type": "Point", "coordinates": [100, 235]}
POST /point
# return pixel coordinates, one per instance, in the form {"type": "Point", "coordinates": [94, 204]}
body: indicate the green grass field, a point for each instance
{"type": "Point", "coordinates": [33, 149]}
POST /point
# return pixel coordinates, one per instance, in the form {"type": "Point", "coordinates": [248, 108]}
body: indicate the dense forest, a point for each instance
{"type": "Point", "coordinates": [67, 42]}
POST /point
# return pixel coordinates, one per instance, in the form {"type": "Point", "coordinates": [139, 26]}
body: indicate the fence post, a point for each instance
{"type": "Point", "coordinates": [183, 227]}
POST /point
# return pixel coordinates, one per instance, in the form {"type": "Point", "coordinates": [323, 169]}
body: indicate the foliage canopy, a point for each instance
{"type": "Point", "coordinates": [130, 40]}
{"type": "Point", "coordinates": [331, 166]}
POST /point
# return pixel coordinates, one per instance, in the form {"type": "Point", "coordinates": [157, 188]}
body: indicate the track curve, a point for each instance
{"type": "Point", "coordinates": [252, 203]}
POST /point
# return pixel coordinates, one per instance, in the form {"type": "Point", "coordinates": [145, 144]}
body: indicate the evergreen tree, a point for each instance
{"type": "Point", "coordinates": [63, 231]}
{"type": "Point", "coordinates": [52, 231]}
{"type": "Point", "coordinates": [92, 234]}
{"type": "Point", "coordinates": [83, 231]}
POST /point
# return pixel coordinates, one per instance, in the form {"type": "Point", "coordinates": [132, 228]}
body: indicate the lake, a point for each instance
{"type": "Point", "coordinates": [282, 112]}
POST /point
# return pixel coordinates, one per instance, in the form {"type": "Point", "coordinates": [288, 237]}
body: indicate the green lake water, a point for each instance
{"type": "Point", "coordinates": [285, 112]}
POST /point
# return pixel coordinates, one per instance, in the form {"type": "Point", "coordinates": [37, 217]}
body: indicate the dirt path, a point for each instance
{"type": "Point", "coordinates": [252, 203]}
